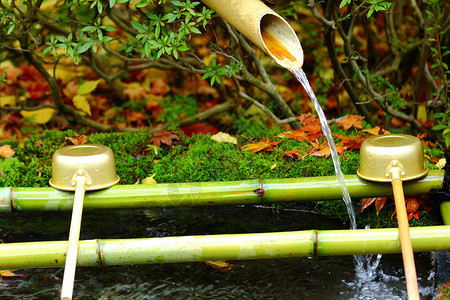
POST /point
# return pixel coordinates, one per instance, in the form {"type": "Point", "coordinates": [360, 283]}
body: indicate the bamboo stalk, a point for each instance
{"type": "Point", "coordinates": [248, 192]}
{"type": "Point", "coordinates": [222, 247]}
{"type": "Point", "coordinates": [264, 27]}
{"type": "Point", "coordinates": [445, 212]}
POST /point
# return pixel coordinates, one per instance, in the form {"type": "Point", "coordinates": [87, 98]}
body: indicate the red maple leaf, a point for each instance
{"type": "Point", "coordinates": [379, 203]}
{"type": "Point", "coordinates": [292, 153]}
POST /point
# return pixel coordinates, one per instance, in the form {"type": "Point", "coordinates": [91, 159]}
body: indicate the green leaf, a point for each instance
{"type": "Point", "coordinates": [438, 127]}
{"type": "Point", "coordinates": [111, 3]}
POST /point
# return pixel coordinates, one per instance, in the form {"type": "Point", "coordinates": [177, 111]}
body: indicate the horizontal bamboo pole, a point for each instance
{"type": "Point", "coordinates": [250, 192]}
{"type": "Point", "coordinates": [222, 247]}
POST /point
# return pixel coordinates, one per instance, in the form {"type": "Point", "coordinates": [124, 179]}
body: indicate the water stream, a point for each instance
{"type": "Point", "coordinates": [301, 77]}
{"type": "Point", "coordinates": [369, 280]}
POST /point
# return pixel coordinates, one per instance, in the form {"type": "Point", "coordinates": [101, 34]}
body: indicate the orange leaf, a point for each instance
{"type": "Point", "coordinates": [306, 119]}
{"type": "Point", "coordinates": [366, 202]}
{"type": "Point", "coordinates": [349, 121]}
{"type": "Point", "coordinates": [9, 273]}
{"type": "Point", "coordinates": [379, 203]}
{"type": "Point", "coordinates": [412, 204]}
{"type": "Point", "coordinates": [376, 131]}
{"type": "Point", "coordinates": [326, 151]}
{"type": "Point", "coordinates": [77, 140]}
{"type": "Point", "coordinates": [262, 145]}
{"type": "Point", "coordinates": [6, 151]}
{"type": "Point", "coordinates": [297, 135]}
{"type": "Point", "coordinates": [221, 265]}
{"type": "Point", "coordinates": [351, 142]}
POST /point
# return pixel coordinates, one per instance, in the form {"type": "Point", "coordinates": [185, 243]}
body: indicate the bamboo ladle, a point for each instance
{"type": "Point", "coordinates": [395, 158]}
{"type": "Point", "coordinates": [80, 168]}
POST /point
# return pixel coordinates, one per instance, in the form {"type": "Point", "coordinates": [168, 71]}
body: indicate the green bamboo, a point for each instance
{"type": "Point", "coordinates": [445, 212]}
{"type": "Point", "coordinates": [252, 192]}
{"type": "Point", "coordinates": [222, 247]}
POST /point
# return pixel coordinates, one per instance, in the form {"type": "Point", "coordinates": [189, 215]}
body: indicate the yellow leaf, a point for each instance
{"type": "Point", "coordinates": [441, 163]}
{"type": "Point", "coordinates": [376, 131]}
{"type": "Point", "coordinates": [223, 137]}
{"type": "Point", "coordinates": [221, 265]}
{"type": "Point", "coordinates": [149, 180]}
{"type": "Point", "coordinates": [273, 166]}
{"type": "Point", "coordinates": [88, 87]}
{"type": "Point", "coordinates": [82, 104]}
{"type": "Point", "coordinates": [39, 116]}
{"type": "Point", "coordinates": [9, 273]}
{"type": "Point", "coordinates": [8, 100]}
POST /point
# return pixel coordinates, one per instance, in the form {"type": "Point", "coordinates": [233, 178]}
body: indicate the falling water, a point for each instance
{"type": "Point", "coordinates": [301, 76]}
{"type": "Point", "coordinates": [370, 282]}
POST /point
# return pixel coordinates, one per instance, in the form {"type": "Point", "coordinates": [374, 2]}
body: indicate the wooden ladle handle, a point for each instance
{"type": "Point", "coordinates": [405, 241]}
{"type": "Point", "coordinates": [74, 236]}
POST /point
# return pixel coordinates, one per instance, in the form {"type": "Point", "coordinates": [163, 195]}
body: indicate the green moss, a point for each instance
{"type": "Point", "coordinates": [196, 159]}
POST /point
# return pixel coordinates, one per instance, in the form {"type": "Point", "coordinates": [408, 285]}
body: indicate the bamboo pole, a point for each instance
{"type": "Point", "coordinates": [264, 27]}
{"type": "Point", "coordinates": [248, 192]}
{"type": "Point", "coordinates": [445, 212]}
{"type": "Point", "coordinates": [222, 247]}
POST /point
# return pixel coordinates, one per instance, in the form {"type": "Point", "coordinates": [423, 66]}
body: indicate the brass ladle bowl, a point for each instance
{"type": "Point", "coordinates": [80, 168]}
{"type": "Point", "coordinates": [394, 158]}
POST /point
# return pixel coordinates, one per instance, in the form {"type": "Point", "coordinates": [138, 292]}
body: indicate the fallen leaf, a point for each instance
{"type": "Point", "coordinates": [297, 135]}
{"type": "Point", "coordinates": [39, 116]}
{"type": "Point", "coordinates": [159, 88]}
{"type": "Point", "coordinates": [199, 128]}
{"type": "Point", "coordinates": [376, 131]}
{"type": "Point", "coordinates": [77, 140]}
{"type": "Point", "coordinates": [6, 151]}
{"type": "Point", "coordinates": [149, 180]}
{"type": "Point", "coordinates": [351, 120]}
{"type": "Point", "coordinates": [353, 143]}
{"type": "Point", "coordinates": [221, 265]}
{"type": "Point", "coordinates": [262, 145]}
{"type": "Point", "coordinates": [134, 92]}
{"type": "Point", "coordinates": [292, 153]}
{"type": "Point", "coordinates": [379, 203]}
{"type": "Point", "coordinates": [324, 150]}
{"type": "Point", "coordinates": [273, 166]}
{"type": "Point", "coordinates": [432, 159]}
{"type": "Point", "coordinates": [223, 137]}
{"type": "Point", "coordinates": [307, 118]}
{"type": "Point", "coordinates": [9, 273]}
{"type": "Point", "coordinates": [164, 137]}
{"type": "Point", "coordinates": [441, 163]}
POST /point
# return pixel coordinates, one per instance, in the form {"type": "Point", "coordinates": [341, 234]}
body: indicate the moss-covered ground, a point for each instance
{"type": "Point", "coordinates": [193, 159]}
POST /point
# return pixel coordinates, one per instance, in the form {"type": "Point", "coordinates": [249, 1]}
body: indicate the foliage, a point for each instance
{"type": "Point", "coordinates": [119, 41]}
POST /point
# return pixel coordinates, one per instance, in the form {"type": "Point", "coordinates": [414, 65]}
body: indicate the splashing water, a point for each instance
{"type": "Point", "coordinates": [370, 282]}
{"type": "Point", "coordinates": [301, 77]}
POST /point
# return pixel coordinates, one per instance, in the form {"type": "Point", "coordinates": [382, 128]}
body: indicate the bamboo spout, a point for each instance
{"type": "Point", "coordinates": [264, 27]}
